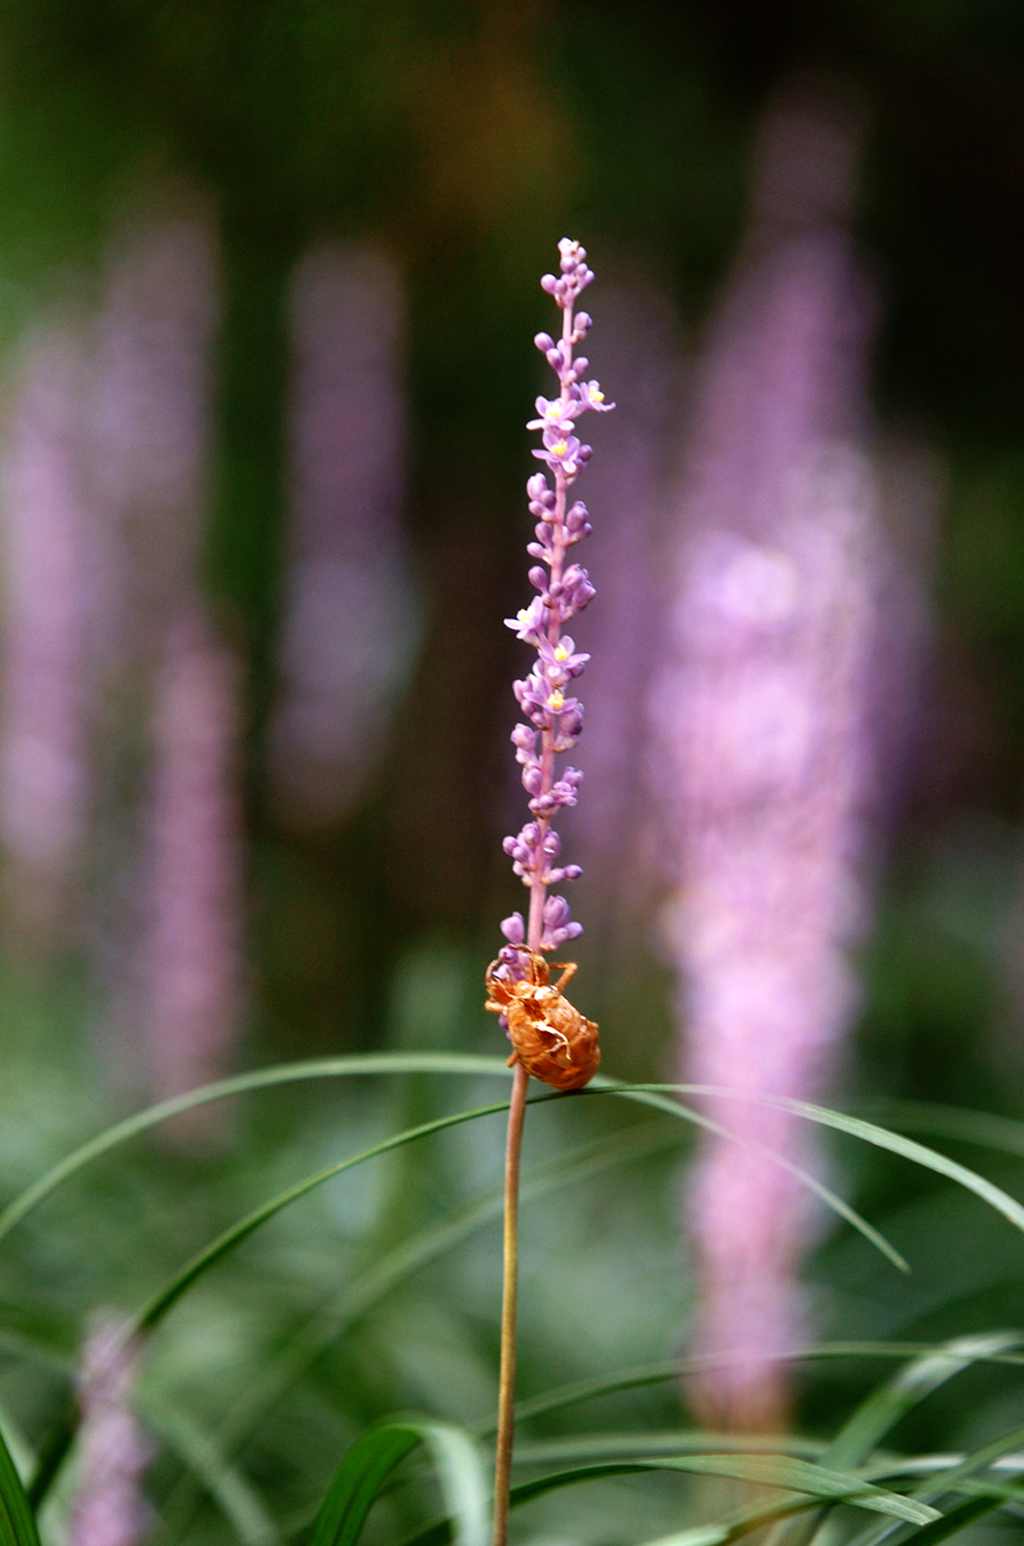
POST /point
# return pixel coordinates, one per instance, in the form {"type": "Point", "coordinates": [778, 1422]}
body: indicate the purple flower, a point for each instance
{"type": "Point", "coordinates": [563, 453]}
{"type": "Point", "coordinates": [591, 396]}
{"type": "Point", "coordinates": [529, 621]}
{"type": "Point", "coordinates": [555, 719]}
{"type": "Point", "coordinates": [109, 1507]}
{"type": "Point", "coordinates": [556, 415]}
{"type": "Point", "coordinates": [560, 662]}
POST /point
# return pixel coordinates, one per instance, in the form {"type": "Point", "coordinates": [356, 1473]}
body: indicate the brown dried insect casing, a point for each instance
{"type": "Point", "coordinates": [552, 1040]}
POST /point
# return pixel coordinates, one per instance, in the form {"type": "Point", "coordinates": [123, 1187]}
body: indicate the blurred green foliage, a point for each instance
{"type": "Point", "coordinates": [469, 136]}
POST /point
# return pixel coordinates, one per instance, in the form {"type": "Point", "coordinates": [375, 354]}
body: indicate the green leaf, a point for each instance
{"type": "Point", "coordinates": [879, 1137]}
{"type": "Point", "coordinates": [579, 1448]}
{"type": "Point", "coordinates": [657, 1095]}
{"type": "Point", "coordinates": [17, 1526]}
{"type": "Point", "coordinates": [154, 1311]}
{"type": "Point", "coordinates": [370, 1462]}
{"type": "Point", "coordinates": [739, 1522]}
{"type": "Point", "coordinates": [233, 1492]}
{"type": "Point", "coordinates": [426, 1245]}
{"type": "Point", "coordinates": [958, 1518]}
{"type": "Point", "coordinates": [359, 1480]}
{"type": "Point", "coordinates": [780, 1471]}
{"type": "Point", "coordinates": [407, 1257]}
{"type": "Point", "coordinates": [477, 1066]}
{"type": "Point", "coordinates": [963, 1126]}
{"type": "Point", "coordinates": [53, 1453]}
{"type": "Point", "coordinates": [389, 1063]}
{"type": "Point", "coordinates": [401, 1063]}
{"type": "Point", "coordinates": [470, 1064]}
{"type": "Point", "coordinates": [652, 1374]}
{"type": "Point", "coordinates": [954, 1476]}
{"type": "Point", "coordinates": [884, 1407]}
{"type": "Point", "coordinates": [797, 1475]}
{"type": "Point", "coordinates": [976, 1461]}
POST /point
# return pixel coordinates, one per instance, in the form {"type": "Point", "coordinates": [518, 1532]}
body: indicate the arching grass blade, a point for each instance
{"type": "Point", "coordinates": [427, 1245]}
{"type": "Point", "coordinates": [584, 1448]}
{"type": "Point", "coordinates": [810, 1482]}
{"type": "Point", "coordinates": [958, 1518]}
{"type": "Point", "coordinates": [376, 1064]}
{"type": "Point", "coordinates": [393, 1063]}
{"type": "Point", "coordinates": [234, 1494]}
{"type": "Point", "coordinates": [662, 1098]}
{"type": "Point", "coordinates": [1002, 1134]}
{"type": "Point", "coordinates": [152, 1313]}
{"type": "Point", "coordinates": [409, 1256]}
{"type": "Point", "coordinates": [371, 1461]}
{"type": "Point", "coordinates": [655, 1373]}
{"type": "Point", "coordinates": [954, 1476]}
{"type": "Point", "coordinates": [884, 1407]}
{"type": "Point", "coordinates": [470, 1064]}
{"type": "Point", "coordinates": [856, 1127]}
{"type": "Point", "coordinates": [732, 1527]}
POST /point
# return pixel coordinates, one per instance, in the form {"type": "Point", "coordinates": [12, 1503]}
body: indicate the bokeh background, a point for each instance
{"type": "Point", "coordinates": [268, 284]}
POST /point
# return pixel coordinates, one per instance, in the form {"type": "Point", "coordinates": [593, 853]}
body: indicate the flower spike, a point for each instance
{"type": "Point", "coordinates": [550, 1038]}
{"type": "Point", "coordinates": [545, 695]}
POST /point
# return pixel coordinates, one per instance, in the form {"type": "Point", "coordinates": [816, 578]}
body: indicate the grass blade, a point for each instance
{"type": "Point", "coordinates": [958, 1518]}
{"type": "Point", "coordinates": [17, 1525]}
{"type": "Point", "coordinates": [471, 1064]}
{"type": "Point", "coordinates": [394, 1063]}
{"type": "Point", "coordinates": [383, 1063]}
{"type": "Point", "coordinates": [968, 1467]}
{"type": "Point", "coordinates": [580, 1448]}
{"type": "Point", "coordinates": [158, 1306]}
{"type": "Point", "coordinates": [954, 1476]}
{"type": "Point", "coordinates": [962, 1126]}
{"type": "Point", "coordinates": [652, 1374]}
{"type": "Point", "coordinates": [424, 1247]}
{"type": "Point", "coordinates": [795, 1475]}
{"type": "Point", "coordinates": [742, 1521]}
{"type": "Point", "coordinates": [334, 1318]}
{"type": "Point", "coordinates": [732, 1526]}
{"type": "Point", "coordinates": [477, 1065]}
{"type": "Point", "coordinates": [809, 1482]}
{"type": "Point", "coordinates": [359, 1480]}
{"type": "Point", "coordinates": [463, 1484]}
{"type": "Point", "coordinates": [658, 1097]}
{"type": "Point", "coordinates": [153, 1312]}
{"type": "Point", "coordinates": [884, 1407]}
{"type": "Point", "coordinates": [856, 1127]}
{"type": "Point", "coordinates": [372, 1459]}
{"type": "Point", "coordinates": [233, 1493]}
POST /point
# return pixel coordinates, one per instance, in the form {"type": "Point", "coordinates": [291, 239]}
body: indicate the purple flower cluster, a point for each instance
{"type": "Point", "coordinates": [563, 589]}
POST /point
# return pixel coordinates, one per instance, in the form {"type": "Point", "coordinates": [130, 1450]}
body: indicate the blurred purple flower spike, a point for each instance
{"type": "Point", "coordinates": [48, 540]}
{"type": "Point", "coordinates": [109, 1508]}
{"type": "Point", "coordinates": [768, 754]}
{"type": "Point", "coordinates": [556, 718]}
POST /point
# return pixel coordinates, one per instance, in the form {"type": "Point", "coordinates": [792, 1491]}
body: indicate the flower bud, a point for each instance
{"type": "Point", "coordinates": [514, 929]}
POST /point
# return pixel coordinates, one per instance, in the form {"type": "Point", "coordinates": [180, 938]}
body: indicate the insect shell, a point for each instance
{"type": "Point", "coordinates": [552, 1040]}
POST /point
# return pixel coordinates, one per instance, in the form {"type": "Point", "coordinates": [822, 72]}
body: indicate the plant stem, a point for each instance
{"type": "Point", "coordinates": [507, 1381]}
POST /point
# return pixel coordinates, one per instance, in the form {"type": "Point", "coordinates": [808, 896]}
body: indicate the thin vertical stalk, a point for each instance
{"type": "Point", "coordinates": [507, 1379]}
{"type": "Point", "coordinates": [518, 981]}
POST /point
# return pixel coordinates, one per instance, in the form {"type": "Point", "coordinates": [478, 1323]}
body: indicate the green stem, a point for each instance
{"type": "Point", "coordinates": [507, 1381]}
